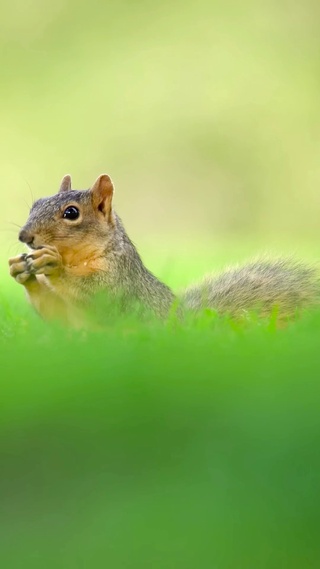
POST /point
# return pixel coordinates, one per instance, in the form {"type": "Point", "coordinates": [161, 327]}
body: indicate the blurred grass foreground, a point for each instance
{"type": "Point", "coordinates": [159, 445]}
{"type": "Point", "coordinates": [156, 445]}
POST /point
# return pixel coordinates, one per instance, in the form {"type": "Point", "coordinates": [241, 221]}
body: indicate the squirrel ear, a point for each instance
{"type": "Point", "coordinates": [102, 192]}
{"type": "Point", "coordinates": [65, 185]}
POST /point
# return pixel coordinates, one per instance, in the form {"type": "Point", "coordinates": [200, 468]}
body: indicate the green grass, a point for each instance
{"type": "Point", "coordinates": [159, 445]}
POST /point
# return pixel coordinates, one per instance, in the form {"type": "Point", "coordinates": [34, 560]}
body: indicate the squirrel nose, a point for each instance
{"type": "Point", "coordinates": [26, 237]}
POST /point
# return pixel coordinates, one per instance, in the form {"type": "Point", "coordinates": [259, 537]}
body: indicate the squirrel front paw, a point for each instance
{"type": "Point", "coordinates": [19, 269]}
{"type": "Point", "coordinates": [44, 261]}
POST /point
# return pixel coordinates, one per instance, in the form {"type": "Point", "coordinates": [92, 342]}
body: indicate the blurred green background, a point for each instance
{"type": "Point", "coordinates": [205, 114]}
{"type": "Point", "coordinates": [162, 446]}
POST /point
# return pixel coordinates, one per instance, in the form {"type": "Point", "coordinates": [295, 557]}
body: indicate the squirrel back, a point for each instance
{"type": "Point", "coordinates": [78, 247]}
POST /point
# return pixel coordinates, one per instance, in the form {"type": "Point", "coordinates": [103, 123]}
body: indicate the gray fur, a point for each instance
{"type": "Point", "coordinates": [126, 279]}
{"type": "Point", "coordinates": [261, 284]}
{"type": "Point", "coordinates": [127, 276]}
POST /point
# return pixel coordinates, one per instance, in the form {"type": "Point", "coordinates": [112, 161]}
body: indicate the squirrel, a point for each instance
{"type": "Point", "coordinates": [78, 248]}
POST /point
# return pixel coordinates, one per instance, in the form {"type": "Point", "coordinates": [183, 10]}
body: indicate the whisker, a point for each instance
{"type": "Point", "coordinates": [15, 224]}
{"type": "Point", "coordinates": [13, 247]}
{"type": "Point", "coordinates": [26, 203]}
{"type": "Point", "coordinates": [11, 229]}
{"type": "Point", "coordinates": [31, 193]}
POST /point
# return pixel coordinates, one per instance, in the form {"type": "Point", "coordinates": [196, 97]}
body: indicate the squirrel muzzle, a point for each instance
{"type": "Point", "coordinates": [26, 237]}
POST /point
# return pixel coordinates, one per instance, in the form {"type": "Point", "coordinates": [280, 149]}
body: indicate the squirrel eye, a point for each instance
{"type": "Point", "coordinates": [71, 212]}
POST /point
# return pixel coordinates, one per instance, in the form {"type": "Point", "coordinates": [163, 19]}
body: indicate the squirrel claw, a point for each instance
{"type": "Point", "coordinates": [19, 269]}
{"type": "Point", "coordinates": [45, 261]}
{"type": "Point", "coordinates": [24, 267]}
{"type": "Point", "coordinates": [23, 278]}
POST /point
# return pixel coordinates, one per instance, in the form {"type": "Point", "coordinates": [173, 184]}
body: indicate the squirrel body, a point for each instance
{"type": "Point", "coordinates": [78, 248]}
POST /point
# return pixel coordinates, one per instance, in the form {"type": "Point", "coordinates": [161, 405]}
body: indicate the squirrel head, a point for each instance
{"type": "Point", "coordinates": [72, 218]}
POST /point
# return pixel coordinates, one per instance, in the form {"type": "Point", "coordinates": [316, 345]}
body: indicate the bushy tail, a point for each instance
{"type": "Point", "coordinates": [261, 285]}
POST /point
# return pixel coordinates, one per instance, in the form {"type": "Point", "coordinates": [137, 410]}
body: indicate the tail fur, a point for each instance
{"type": "Point", "coordinates": [261, 285]}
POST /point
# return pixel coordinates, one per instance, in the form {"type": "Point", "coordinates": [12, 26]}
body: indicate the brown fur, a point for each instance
{"type": "Point", "coordinates": [82, 260]}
